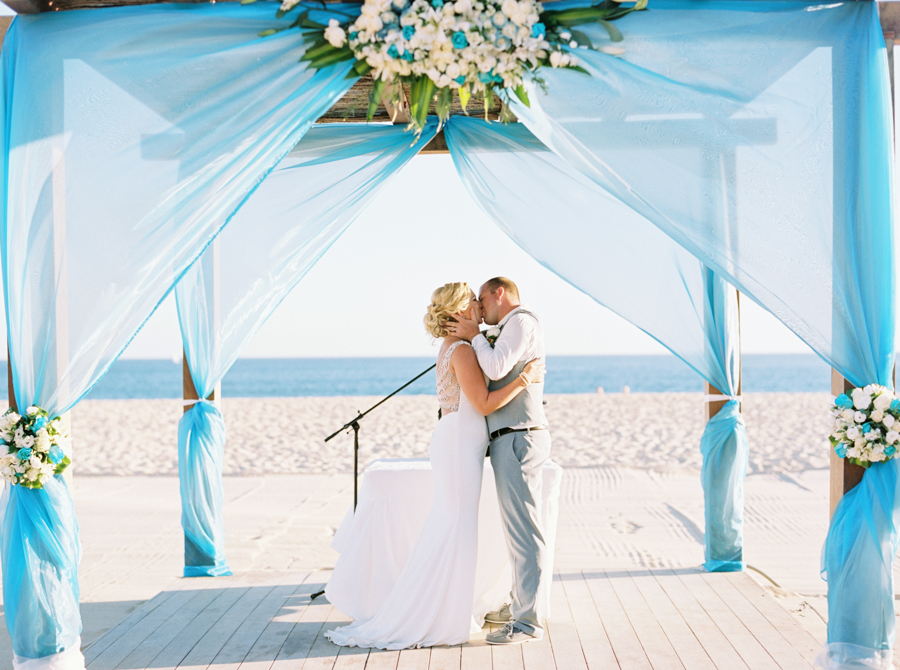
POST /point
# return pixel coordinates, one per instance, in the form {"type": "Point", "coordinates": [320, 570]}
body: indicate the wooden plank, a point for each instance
{"type": "Point", "coordinates": [771, 639]}
{"type": "Point", "coordinates": [382, 659]}
{"type": "Point", "coordinates": [733, 628]}
{"type": "Point", "coordinates": [104, 641]}
{"type": "Point", "coordinates": [476, 653]}
{"type": "Point", "coordinates": [537, 655]}
{"type": "Point", "coordinates": [238, 646]}
{"type": "Point", "coordinates": [656, 645]}
{"type": "Point", "coordinates": [595, 645]}
{"type": "Point", "coordinates": [445, 658]}
{"type": "Point", "coordinates": [562, 631]}
{"type": "Point", "coordinates": [351, 658]}
{"type": "Point", "coordinates": [303, 635]}
{"type": "Point", "coordinates": [714, 642]}
{"type": "Point", "coordinates": [144, 653]}
{"type": "Point", "coordinates": [414, 659]}
{"type": "Point", "coordinates": [270, 642]}
{"type": "Point", "coordinates": [180, 646]}
{"type": "Point", "coordinates": [115, 653]}
{"type": "Point", "coordinates": [844, 475]}
{"type": "Point", "coordinates": [801, 639]}
{"type": "Point", "coordinates": [625, 642]}
{"type": "Point", "coordinates": [679, 634]}
{"type": "Point", "coordinates": [324, 653]}
{"type": "Point", "coordinates": [507, 657]}
{"type": "Point", "coordinates": [212, 642]}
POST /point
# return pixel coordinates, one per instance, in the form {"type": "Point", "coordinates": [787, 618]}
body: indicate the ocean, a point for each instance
{"type": "Point", "coordinates": [270, 377]}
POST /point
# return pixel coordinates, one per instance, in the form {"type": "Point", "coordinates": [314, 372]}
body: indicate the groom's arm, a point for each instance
{"type": "Point", "coordinates": [499, 360]}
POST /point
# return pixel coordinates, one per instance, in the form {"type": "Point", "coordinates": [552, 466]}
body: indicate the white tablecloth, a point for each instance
{"type": "Point", "coordinates": [394, 501]}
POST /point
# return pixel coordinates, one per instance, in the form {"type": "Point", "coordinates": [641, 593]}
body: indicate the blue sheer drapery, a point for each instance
{"type": "Point", "coordinates": [624, 262]}
{"type": "Point", "coordinates": [130, 135]}
{"type": "Point", "coordinates": [779, 178]}
{"type": "Point", "coordinates": [303, 206]}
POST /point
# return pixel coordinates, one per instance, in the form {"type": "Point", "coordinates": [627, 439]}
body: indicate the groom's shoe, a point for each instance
{"type": "Point", "coordinates": [509, 634]}
{"type": "Point", "coordinates": [501, 616]}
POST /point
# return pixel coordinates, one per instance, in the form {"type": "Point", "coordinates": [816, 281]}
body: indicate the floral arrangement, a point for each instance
{"type": "Point", "coordinates": [866, 426]}
{"type": "Point", "coordinates": [36, 447]}
{"type": "Point", "coordinates": [438, 47]}
{"type": "Point", "coordinates": [491, 334]}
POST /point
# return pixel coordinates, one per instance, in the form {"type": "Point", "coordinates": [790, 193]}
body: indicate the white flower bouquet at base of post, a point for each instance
{"type": "Point", "coordinates": [444, 47]}
{"type": "Point", "coordinates": [866, 425]}
{"type": "Point", "coordinates": [36, 447]}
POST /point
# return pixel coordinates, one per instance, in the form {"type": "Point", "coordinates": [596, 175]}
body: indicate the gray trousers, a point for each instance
{"type": "Point", "coordinates": [517, 459]}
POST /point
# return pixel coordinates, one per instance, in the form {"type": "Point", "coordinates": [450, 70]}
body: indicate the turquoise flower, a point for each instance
{"type": "Point", "coordinates": [890, 451]}
{"type": "Point", "coordinates": [24, 453]}
{"type": "Point", "coordinates": [866, 428]}
{"type": "Point", "coordinates": [459, 40]}
{"type": "Point", "coordinates": [841, 450]}
{"type": "Point", "coordinates": [407, 56]}
{"type": "Point", "coordinates": [895, 405]}
{"type": "Point", "coordinates": [843, 401]}
{"type": "Point", "coordinates": [392, 51]}
{"type": "Point", "coordinates": [408, 32]}
{"type": "Point", "coordinates": [538, 31]}
{"type": "Point", "coordinates": [56, 454]}
{"type": "Point", "coordinates": [461, 79]}
{"type": "Point", "coordinates": [437, 4]}
{"type": "Point", "coordinates": [353, 35]}
{"type": "Point", "coordinates": [485, 77]}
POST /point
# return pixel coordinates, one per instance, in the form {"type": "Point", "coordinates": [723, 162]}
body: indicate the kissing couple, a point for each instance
{"type": "Point", "coordinates": [498, 375]}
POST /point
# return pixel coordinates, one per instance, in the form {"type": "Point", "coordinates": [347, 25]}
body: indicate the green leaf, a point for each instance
{"type": "Point", "coordinates": [321, 48]}
{"type": "Point", "coordinates": [581, 38]}
{"type": "Point", "coordinates": [336, 56]}
{"type": "Point", "coordinates": [247, 2]}
{"type": "Point", "coordinates": [614, 33]}
{"type": "Point", "coordinates": [445, 99]}
{"type": "Point", "coordinates": [578, 68]}
{"type": "Point", "coordinates": [374, 98]}
{"type": "Point", "coordinates": [464, 96]}
{"type": "Point", "coordinates": [62, 465]}
{"type": "Point", "coordinates": [270, 31]}
{"type": "Point", "coordinates": [522, 94]}
{"type": "Point", "coordinates": [421, 93]}
{"type": "Point", "coordinates": [361, 68]}
{"type": "Point", "coordinates": [488, 102]}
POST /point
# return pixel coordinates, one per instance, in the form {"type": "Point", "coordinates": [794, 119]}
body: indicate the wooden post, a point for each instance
{"type": "Point", "coordinates": [712, 407]}
{"type": "Point", "coordinates": [189, 392]}
{"type": "Point", "coordinates": [844, 474]}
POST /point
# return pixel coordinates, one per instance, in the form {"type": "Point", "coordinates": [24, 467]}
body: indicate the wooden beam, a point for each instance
{"type": "Point", "coordinates": [844, 474]}
{"type": "Point", "coordinates": [713, 407]}
{"type": "Point", "coordinates": [438, 145]}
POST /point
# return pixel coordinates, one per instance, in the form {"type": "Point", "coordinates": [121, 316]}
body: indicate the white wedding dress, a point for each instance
{"type": "Point", "coordinates": [432, 601]}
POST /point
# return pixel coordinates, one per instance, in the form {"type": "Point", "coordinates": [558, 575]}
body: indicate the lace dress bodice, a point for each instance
{"type": "Point", "coordinates": [448, 390]}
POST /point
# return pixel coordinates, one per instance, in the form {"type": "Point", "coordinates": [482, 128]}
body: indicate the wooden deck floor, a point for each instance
{"type": "Point", "coordinates": [644, 619]}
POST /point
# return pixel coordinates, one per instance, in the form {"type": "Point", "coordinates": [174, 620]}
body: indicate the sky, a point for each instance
{"type": "Point", "coordinates": [355, 302]}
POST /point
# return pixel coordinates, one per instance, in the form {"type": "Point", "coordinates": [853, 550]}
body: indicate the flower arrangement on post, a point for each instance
{"type": "Point", "coordinates": [442, 47]}
{"type": "Point", "coordinates": [866, 426]}
{"type": "Point", "coordinates": [36, 448]}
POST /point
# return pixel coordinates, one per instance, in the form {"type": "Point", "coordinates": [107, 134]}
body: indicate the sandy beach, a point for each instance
{"type": "Point", "coordinates": [654, 431]}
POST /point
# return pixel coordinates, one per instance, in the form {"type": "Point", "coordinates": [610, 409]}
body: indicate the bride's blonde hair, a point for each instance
{"type": "Point", "coordinates": [445, 301]}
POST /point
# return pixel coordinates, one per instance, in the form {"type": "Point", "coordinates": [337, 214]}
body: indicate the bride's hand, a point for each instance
{"type": "Point", "coordinates": [535, 371]}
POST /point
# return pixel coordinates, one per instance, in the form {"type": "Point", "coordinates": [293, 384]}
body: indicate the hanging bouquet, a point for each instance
{"type": "Point", "coordinates": [442, 47]}
{"type": "Point", "coordinates": [35, 445]}
{"type": "Point", "coordinates": [866, 426]}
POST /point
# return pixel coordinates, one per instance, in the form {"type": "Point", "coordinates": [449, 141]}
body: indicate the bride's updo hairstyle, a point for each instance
{"type": "Point", "coordinates": [446, 301]}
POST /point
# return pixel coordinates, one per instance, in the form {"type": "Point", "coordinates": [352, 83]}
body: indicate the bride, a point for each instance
{"type": "Point", "coordinates": [431, 603]}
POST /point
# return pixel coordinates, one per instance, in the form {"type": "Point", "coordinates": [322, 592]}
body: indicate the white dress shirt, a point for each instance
{"type": "Point", "coordinates": [520, 340]}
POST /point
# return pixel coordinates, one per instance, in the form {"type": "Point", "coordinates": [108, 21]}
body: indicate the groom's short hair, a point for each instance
{"type": "Point", "coordinates": [508, 285]}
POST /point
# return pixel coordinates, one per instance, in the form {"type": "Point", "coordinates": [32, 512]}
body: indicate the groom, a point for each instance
{"type": "Point", "coordinates": [519, 447]}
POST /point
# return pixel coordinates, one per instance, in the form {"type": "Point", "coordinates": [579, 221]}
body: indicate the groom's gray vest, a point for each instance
{"type": "Point", "coordinates": [527, 408]}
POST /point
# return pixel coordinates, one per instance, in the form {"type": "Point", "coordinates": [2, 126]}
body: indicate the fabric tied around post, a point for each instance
{"type": "Point", "coordinates": [201, 454]}
{"type": "Point", "coordinates": [856, 561]}
{"type": "Point", "coordinates": [725, 453]}
{"type": "Point", "coordinates": [41, 552]}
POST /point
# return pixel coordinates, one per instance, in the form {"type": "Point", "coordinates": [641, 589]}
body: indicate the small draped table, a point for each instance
{"type": "Point", "coordinates": [394, 502]}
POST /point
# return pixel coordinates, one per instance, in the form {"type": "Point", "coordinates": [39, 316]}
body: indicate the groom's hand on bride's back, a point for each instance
{"type": "Point", "coordinates": [463, 328]}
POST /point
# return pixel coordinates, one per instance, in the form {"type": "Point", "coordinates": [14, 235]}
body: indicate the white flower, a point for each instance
{"type": "Point", "coordinates": [889, 420]}
{"type": "Point", "coordinates": [493, 331]}
{"type": "Point", "coordinates": [555, 58]}
{"type": "Point", "coordinates": [892, 436]}
{"type": "Point", "coordinates": [32, 410]}
{"type": "Point", "coordinates": [877, 415]}
{"type": "Point", "coordinates": [853, 433]}
{"type": "Point", "coordinates": [884, 400]}
{"type": "Point", "coordinates": [35, 461]}
{"type": "Point", "coordinates": [847, 415]}
{"type": "Point", "coordinates": [335, 34]}
{"type": "Point", "coordinates": [31, 475]}
{"type": "Point", "coordinates": [42, 440]}
{"type": "Point", "coordinates": [612, 51]}
{"type": "Point", "coordinates": [859, 417]}
{"type": "Point", "coordinates": [861, 399]}
{"type": "Point", "coordinates": [27, 441]}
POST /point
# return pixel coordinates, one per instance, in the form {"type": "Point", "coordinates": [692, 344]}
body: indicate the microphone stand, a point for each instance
{"type": "Point", "coordinates": [354, 425]}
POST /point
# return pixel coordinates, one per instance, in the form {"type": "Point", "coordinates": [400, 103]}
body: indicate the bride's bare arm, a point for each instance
{"type": "Point", "coordinates": [471, 381]}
